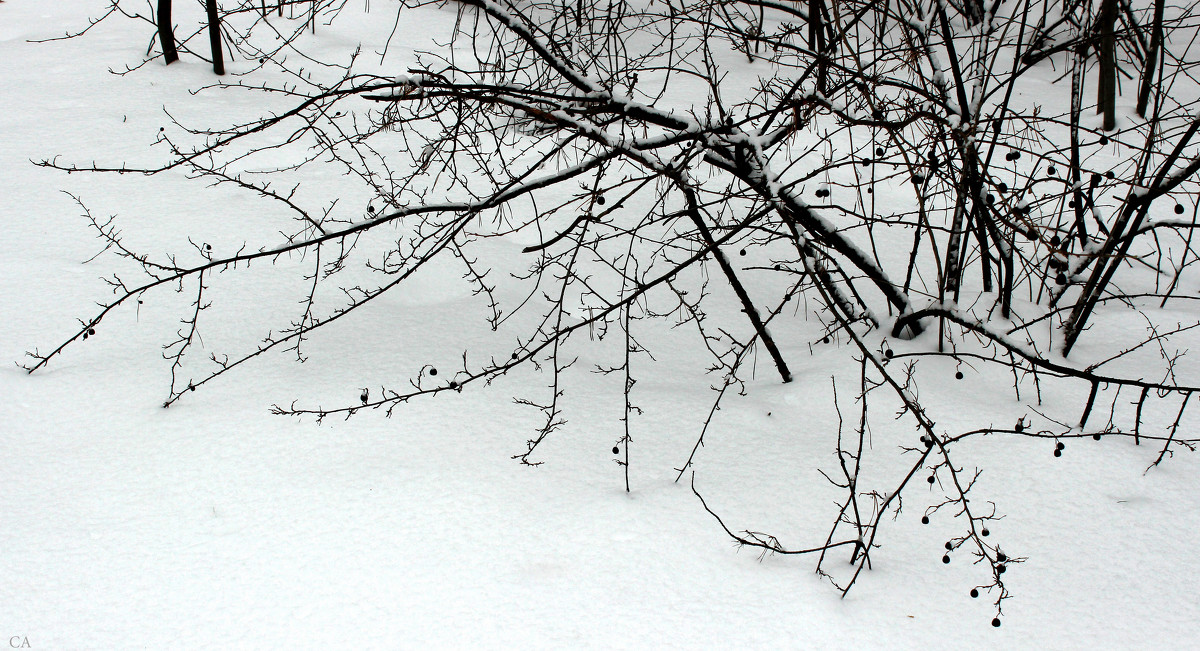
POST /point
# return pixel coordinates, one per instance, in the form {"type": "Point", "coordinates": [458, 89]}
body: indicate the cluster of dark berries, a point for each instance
{"type": "Point", "coordinates": [1058, 448]}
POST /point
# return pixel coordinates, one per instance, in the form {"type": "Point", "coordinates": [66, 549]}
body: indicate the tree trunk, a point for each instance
{"type": "Point", "coordinates": [1106, 101]}
{"type": "Point", "coordinates": [166, 35]}
{"type": "Point", "coordinates": [1156, 39]}
{"type": "Point", "coordinates": [214, 36]}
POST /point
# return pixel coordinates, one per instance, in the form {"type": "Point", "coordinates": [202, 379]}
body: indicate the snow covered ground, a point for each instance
{"type": "Point", "coordinates": [214, 523]}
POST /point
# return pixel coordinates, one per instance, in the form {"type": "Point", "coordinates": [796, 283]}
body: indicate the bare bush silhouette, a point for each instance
{"type": "Point", "coordinates": [899, 169]}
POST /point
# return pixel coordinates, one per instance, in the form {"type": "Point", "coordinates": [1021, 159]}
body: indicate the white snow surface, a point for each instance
{"type": "Point", "coordinates": [216, 524]}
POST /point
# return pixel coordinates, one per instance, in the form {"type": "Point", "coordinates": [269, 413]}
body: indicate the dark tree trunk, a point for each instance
{"type": "Point", "coordinates": [166, 35]}
{"type": "Point", "coordinates": [1106, 102]}
{"type": "Point", "coordinates": [214, 36]}
{"type": "Point", "coordinates": [1156, 39]}
{"type": "Point", "coordinates": [816, 40]}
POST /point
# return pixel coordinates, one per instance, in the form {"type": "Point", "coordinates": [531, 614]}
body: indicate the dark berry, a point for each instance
{"type": "Point", "coordinates": [1060, 279]}
{"type": "Point", "coordinates": [1103, 140]}
{"type": "Point", "coordinates": [949, 546]}
{"type": "Point", "coordinates": [85, 336]}
{"type": "Point", "coordinates": [1178, 209]}
{"type": "Point", "coordinates": [888, 353]}
{"type": "Point", "coordinates": [1109, 175]}
{"type": "Point", "coordinates": [1059, 445]}
{"type": "Point", "coordinates": [453, 384]}
{"type": "Point", "coordinates": [1001, 557]}
{"type": "Point", "coordinates": [865, 162]}
{"type": "Point", "coordinates": [1009, 156]}
{"type": "Point", "coordinates": [92, 331]}
{"type": "Point", "coordinates": [991, 198]}
{"type": "Point", "coordinates": [958, 375]}
{"type": "Point", "coordinates": [1019, 427]}
{"type": "Point", "coordinates": [1071, 203]}
{"type": "Point", "coordinates": [600, 201]}
{"type": "Point", "coordinates": [1055, 240]}
{"type": "Point", "coordinates": [742, 252]}
{"type": "Point", "coordinates": [616, 450]}
{"type": "Point", "coordinates": [1000, 569]}
{"type": "Point", "coordinates": [996, 622]}
{"type": "Point", "coordinates": [985, 533]}
{"type": "Point", "coordinates": [1052, 171]}
{"type": "Point", "coordinates": [924, 519]}
{"type": "Point", "coordinates": [1016, 155]}
{"type": "Point", "coordinates": [918, 178]}
{"type": "Point", "coordinates": [1095, 437]}
{"type": "Point", "coordinates": [1002, 186]}
{"type": "Point", "coordinates": [1058, 453]}
{"type": "Point", "coordinates": [432, 371]}
{"type": "Point", "coordinates": [974, 593]}
{"type": "Point", "coordinates": [208, 247]}
{"type": "Point", "coordinates": [514, 355]}
{"type": "Point", "coordinates": [870, 191]}
{"type": "Point", "coordinates": [946, 558]}
{"type": "Point", "coordinates": [931, 479]}
{"type": "Point", "coordinates": [879, 151]}
{"type": "Point", "coordinates": [262, 60]}
{"type": "Point", "coordinates": [825, 340]}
